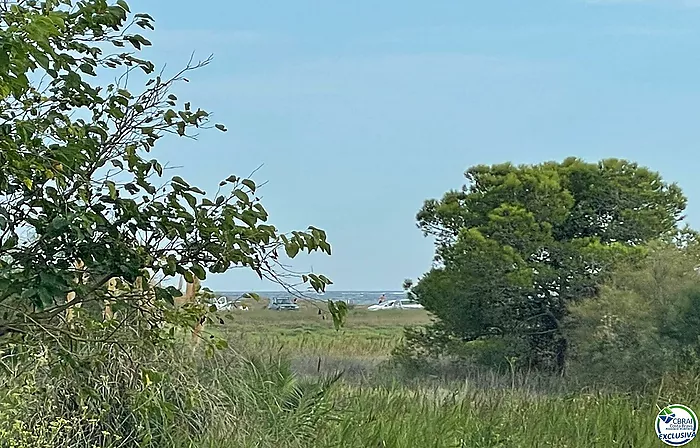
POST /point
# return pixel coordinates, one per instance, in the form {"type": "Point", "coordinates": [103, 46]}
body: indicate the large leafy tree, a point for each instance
{"type": "Point", "coordinates": [78, 186]}
{"type": "Point", "coordinates": [519, 243]}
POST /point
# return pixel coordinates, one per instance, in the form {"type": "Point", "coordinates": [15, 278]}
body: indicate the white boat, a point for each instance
{"type": "Point", "coordinates": [223, 304]}
{"type": "Point", "coordinates": [402, 304]}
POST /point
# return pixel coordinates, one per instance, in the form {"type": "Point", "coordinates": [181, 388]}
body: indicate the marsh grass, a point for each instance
{"type": "Point", "coordinates": [451, 404]}
{"type": "Point", "coordinates": [400, 417]}
{"type": "Point", "coordinates": [289, 380]}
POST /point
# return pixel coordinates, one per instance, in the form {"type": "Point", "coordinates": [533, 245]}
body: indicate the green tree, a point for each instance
{"type": "Point", "coordinates": [644, 323]}
{"type": "Point", "coordinates": [519, 243]}
{"type": "Point", "coordinates": [92, 229]}
{"type": "Point", "coordinates": [78, 184]}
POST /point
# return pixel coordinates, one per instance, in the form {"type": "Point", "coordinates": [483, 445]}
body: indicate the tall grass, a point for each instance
{"type": "Point", "coordinates": [230, 401]}
{"type": "Point", "coordinates": [399, 417]}
{"type": "Point", "coordinates": [173, 399]}
{"type": "Point", "coordinates": [258, 395]}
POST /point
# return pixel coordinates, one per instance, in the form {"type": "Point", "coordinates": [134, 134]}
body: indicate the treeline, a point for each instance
{"type": "Point", "coordinates": [575, 268]}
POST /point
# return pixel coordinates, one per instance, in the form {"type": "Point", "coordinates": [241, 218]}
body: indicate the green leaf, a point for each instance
{"type": "Point", "coordinates": [180, 180]}
{"type": "Point", "coordinates": [249, 183]}
{"type": "Point", "coordinates": [220, 127]}
{"type": "Point", "coordinates": [249, 218]}
{"type": "Point", "coordinates": [112, 189]}
{"type": "Point", "coordinates": [190, 200]}
{"type": "Point", "coordinates": [198, 271]}
{"type": "Point", "coordinates": [123, 5]}
{"type": "Point", "coordinates": [169, 115]}
{"type": "Point", "coordinates": [242, 195]}
{"type": "Point", "coordinates": [137, 40]}
{"type": "Point", "coordinates": [181, 128]}
{"type": "Point", "coordinates": [173, 291]}
{"type": "Point", "coordinates": [292, 249]}
{"type": "Point", "coordinates": [4, 58]}
{"type": "Point", "coordinates": [41, 59]}
{"type": "Point", "coordinates": [59, 223]}
{"type": "Point", "coordinates": [164, 295]}
{"type": "Point", "coordinates": [87, 68]}
{"type": "Point", "coordinates": [338, 311]}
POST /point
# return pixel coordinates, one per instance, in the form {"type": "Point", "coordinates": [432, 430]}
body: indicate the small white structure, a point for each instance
{"type": "Point", "coordinates": [223, 304]}
{"type": "Point", "coordinates": [403, 304]}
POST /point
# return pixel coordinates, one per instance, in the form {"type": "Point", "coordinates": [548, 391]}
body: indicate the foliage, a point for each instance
{"type": "Point", "coordinates": [94, 343]}
{"type": "Point", "coordinates": [264, 404]}
{"type": "Point", "coordinates": [180, 400]}
{"type": "Point", "coordinates": [520, 243]}
{"type": "Point", "coordinates": [227, 400]}
{"type": "Point", "coordinates": [80, 197]}
{"type": "Point", "coordinates": [644, 324]}
{"type": "Point", "coordinates": [338, 311]}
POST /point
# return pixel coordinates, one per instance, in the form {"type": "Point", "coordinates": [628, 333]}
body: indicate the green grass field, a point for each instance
{"type": "Point", "coordinates": [366, 334]}
{"type": "Point", "coordinates": [480, 409]}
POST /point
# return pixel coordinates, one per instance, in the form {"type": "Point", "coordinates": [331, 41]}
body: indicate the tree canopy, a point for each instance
{"type": "Point", "coordinates": [517, 244]}
{"type": "Point", "coordinates": [79, 186]}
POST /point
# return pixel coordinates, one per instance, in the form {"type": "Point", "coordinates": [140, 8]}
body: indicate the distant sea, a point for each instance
{"type": "Point", "coordinates": [352, 297]}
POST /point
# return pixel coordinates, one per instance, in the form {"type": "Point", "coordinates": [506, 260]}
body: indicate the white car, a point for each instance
{"type": "Point", "coordinates": [282, 304]}
{"type": "Point", "coordinates": [403, 304]}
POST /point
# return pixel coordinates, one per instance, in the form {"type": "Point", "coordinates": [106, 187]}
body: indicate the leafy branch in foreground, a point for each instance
{"type": "Point", "coordinates": [77, 184]}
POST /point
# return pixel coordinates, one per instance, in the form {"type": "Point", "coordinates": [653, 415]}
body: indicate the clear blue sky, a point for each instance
{"type": "Point", "coordinates": [360, 110]}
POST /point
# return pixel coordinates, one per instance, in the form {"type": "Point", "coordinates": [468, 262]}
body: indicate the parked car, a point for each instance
{"type": "Point", "coordinates": [403, 304]}
{"type": "Point", "coordinates": [282, 304]}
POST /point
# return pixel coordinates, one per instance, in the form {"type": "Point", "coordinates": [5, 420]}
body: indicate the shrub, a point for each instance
{"type": "Point", "coordinates": [643, 324]}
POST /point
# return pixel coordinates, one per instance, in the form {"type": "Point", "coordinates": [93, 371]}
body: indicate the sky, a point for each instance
{"type": "Point", "coordinates": [356, 112]}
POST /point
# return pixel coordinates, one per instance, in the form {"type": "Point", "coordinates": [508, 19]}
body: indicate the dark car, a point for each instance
{"type": "Point", "coordinates": [282, 304]}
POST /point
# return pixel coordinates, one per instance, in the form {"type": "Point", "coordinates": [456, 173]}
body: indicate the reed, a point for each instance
{"type": "Point", "coordinates": [290, 381]}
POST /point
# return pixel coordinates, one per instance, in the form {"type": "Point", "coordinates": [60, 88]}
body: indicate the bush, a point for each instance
{"type": "Point", "coordinates": [643, 325]}
{"type": "Point", "coordinates": [432, 351]}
